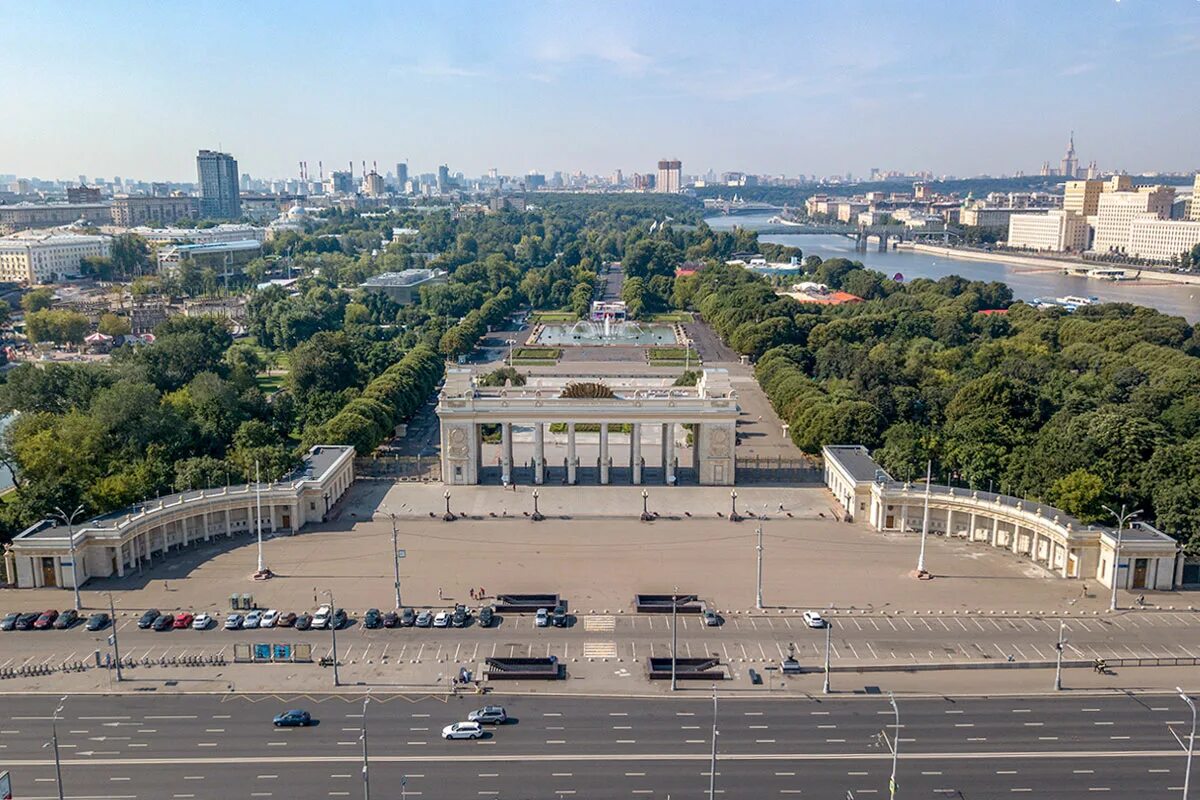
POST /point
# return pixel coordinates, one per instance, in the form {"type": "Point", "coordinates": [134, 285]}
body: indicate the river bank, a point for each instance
{"type": "Point", "coordinates": [1040, 263]}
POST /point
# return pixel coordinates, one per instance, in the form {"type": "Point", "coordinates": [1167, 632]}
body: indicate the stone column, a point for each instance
{"type": "Point", "coordinates": [949, 522]}
{"type": "Point", "coordinates": [995, 531]}
{"type": "Point", "coordinates": [207, 532]}
{"type": "Point", "coordinates": [571, 461]}
{"type": "Point", "coordinates": [539, 453]}
{"type": "Point", "coordinates": [903, 518]}
{"type": "Point", "coordinates": [635, 453]}
{"type": "Point", "coordinates": [506, 452]}
{"type": "Point", "coordinates": [184, 524]}
{"type": "Point", "coordinates": [228, 525]}
{"type": "Point", "coordinates": [669, 453]}
{"type": "Point", "coordinates": [971, 533]}
{"type": "Point", "coordinates": [604, 453]}
{"type": "Point", "coordinates": [120, 561]}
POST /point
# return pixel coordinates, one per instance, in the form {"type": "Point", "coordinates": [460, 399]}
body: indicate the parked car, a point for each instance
{"type": "Point", "coordinates": [442, 620]}
{"type": "Point", "coordinates": [460, 616]}
{"type": "Point", "coordinates": [303, 622]}
{"type": "Point", "coordinates": [296, 718]}
{"type": "Point", "coordinates": [10, 621]}
{"type": "Point", "coordinates": [755, 678]}
{"type": "Point", "coordinates": [201, 622]}
{"type": "Point", "coordinates": [424, 619]}
{"type": "Point", "coordinates": [25, 621]}
{"type": "Point", "coordinates": [372, 619]}
{"type": "Point", "coordinates": [493, 715]}
{"type": "Point", "coordinates": [813, 620]}
{"type": "Point", "coordinates": [710, 618]}
{"type": "Point", "coordinates": [321, 618]}
{"type": "Point", "coordinates": [408, 618]}
{"type": "Point", "coordinates": [269, 619]}
{"type": "Point", "coordinates": [233, 622]}
{"type": "Point", "coordinates": [253, 619]}
{"type": "Point", "coordinates": [147, 619]}
{"type": "Point", "coordinates": [184, 620]}
{"type": "Point", "coordinates": [391, 619]}
{"type": "Point", "coordinates": [66, 619]}
{"type": "Point", "coordinates": [486, 615]}
{"type": "Point", "coordinates": [542, 618]}
{"type": "Point", "coordinates": [46, 620]}
{"type": "Point", "coordinates": [560, 616]}
{"type": "Point", "coordinates": [286, 619]}
{"type": "Point", "coordinates": [97, 621]}
{"type": "Point", "coordinates": [339, 618]}
{"type": "Point", "coordinates": [462, 730]}
{"type": "Point", "coordinates": [164, 623]}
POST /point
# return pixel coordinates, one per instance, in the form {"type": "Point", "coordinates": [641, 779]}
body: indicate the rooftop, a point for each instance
{"type": "Point", "coordinates": [215, 247]}
{"type": "Point", "coordinates": [408, 277]}
{"type": "Point", "coordinates": [856, 461]}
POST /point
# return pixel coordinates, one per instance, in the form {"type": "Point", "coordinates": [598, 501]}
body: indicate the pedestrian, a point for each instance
{"type": "Point", "coordinates": [482, 594]}
{"type": "Point", "coordinates": [472, 593]}
{"type": "Point", "coordinates": [781, 506]}
{"type": "Point", "coordinates": [1085, 590]}
{"type": "Point", "coordinates": [165, 587]}
{"type": "Point", "coordinates": [439, 593]}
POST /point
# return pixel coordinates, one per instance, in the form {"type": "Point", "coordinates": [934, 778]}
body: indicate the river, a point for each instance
{"type": "Point", "coordinates": [1026, 282]}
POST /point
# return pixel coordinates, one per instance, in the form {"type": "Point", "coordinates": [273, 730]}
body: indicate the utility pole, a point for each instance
{"type": "Point", "coordinates": [759, 595]}
{"type": "Point", "coordinates": [112, 617]}
{"type": "Point", "coordinates": [54, 742]}
{"type": "Point", "coordinates": [1122, 520]}
{"type": "Point", "coordinates": [1191, 742]}
{"type": "Point", "coordinates": [365, 770]}
{"type": "Point", "coordinates": [333, 634]}
{"type": "Point", "coordinates": [258, 515]}
{"type": "Point", "coordinates": [674, 633]}
{"type": "Point", "coordinates": [712, 769]}
{"type": "Point", "coordinates": [395, 554]}
{"type": "Point", "coordinates": [894, 744]}
{"type": "Point", "coordinates": [69, 519]}
{"type": "Point", "coordinates": [925, 521]}
{"type": "Point", "coordinates": [1059, 646]}
{"type": "Point", "coordinates": [828, 636]}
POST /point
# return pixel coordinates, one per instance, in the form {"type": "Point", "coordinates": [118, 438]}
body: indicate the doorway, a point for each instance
{"type": "Point", "coordinates": [1139, 572]}
{"type": "Point", "coordinates": [48, 576]}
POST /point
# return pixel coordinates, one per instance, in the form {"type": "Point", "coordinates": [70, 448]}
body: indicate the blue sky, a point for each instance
{"type": "Point", "coordinates": [807, 86]}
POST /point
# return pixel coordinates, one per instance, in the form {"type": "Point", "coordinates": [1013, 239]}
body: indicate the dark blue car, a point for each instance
{"type": "Point", "coordinates": [293, 719]}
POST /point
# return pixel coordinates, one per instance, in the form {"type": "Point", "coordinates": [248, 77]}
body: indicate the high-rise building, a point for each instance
{"type": "Point", "coordinates": [443, 179]}
{"type": "Point", "coordinates": [372, 185]}
{"type": "Point", "coordinates": [1070, 164]}
{"type": "Point", "coordinates": [670, 174]}
{"type": "Point", "coordinates": [218, 178]}
{"type": "Point", "coordinates": [1082, 197]}
{"type": "Point", "coordinates": [1194, 214]}
{"type": "Point", "coordinates": [1057, 230]}
{"type": "Point", "coordinates": [1116, 211]}
{"type": "Point", "coordinates": [402, 175]}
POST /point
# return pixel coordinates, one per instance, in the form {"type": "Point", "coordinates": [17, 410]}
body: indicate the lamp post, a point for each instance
{"type": "Point", "coordinates": [674, 633]}
{"type": "Point", "coordinates": [733, 515]}
{"type": "Point", "coordinates": [365, 767]}
{"type": "Point", "coordinates": [69, 519]}
{"type": "Point", "coordinates": [537, 515]}
{"type": "Point", "coordinates": [921, 573]}
{"type": "Point", "coordinates": [510, 343]}
{"type": "Point", "coordinates": [1122, 520]}
{"type": "Point", "coordinates": [895, 747]}
{"type": "Point", "coordinates": [645, 512]}
{"type": "Point", "coordinates": [395, 554]}
{"type": "Point", "coordinates": [759, 593]}
{"type": "Point", "coordinates": [448, 516]}
{"type": "Point", "coordinates": [712, 769]}
{"type": "Point", "coordinates": [262, 572]}
{"type": "Point", "coordinates": [54, 744]}
{"type": "Point", "coordinates": [1060, 645]}
{"type": "Point", "coordinates": [828, 638]}
{"type": "Point", "coordinates": [333, 635]}
{"type": "Point", "coordinates": [112, 616]}
{"type": "Point", "coordinates": [1191, 742]}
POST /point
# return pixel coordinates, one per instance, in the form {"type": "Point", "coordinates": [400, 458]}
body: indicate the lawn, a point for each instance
{"type": "Point", "coordinates": [672, 316]}
{"type": "Point", "coordinates": [672, 356]}
{"type": "Point", "coordinates": [270, 384]}
{"type": "Point", "coordinates": [552, 316]}
{"type": "Point", "coordinates": [538, 353]}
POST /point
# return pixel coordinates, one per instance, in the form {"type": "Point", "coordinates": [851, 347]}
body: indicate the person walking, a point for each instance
{"type": "Point", "coordinates": [472, 592]}
{"type": "Point", "coordinates": [439, 593]}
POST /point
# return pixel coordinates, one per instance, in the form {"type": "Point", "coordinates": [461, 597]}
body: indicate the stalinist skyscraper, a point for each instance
{"type": "Point", "coordinates": [1070, 164]}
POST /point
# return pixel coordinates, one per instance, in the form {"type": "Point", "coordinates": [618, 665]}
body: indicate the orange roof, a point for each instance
{"type": "Point", "coordinates": [827, 299]}
{"type": "Point", "coordinates": [992, 311]}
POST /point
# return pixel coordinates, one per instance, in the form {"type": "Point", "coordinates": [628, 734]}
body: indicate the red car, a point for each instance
{"type": "Point", "coordinates": [184, 620]}
{"type": "Point", "coordinates": [46, 620]}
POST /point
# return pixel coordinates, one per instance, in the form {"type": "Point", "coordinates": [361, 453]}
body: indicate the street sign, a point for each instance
{"type": "Point", "coordinates": [401, 553]}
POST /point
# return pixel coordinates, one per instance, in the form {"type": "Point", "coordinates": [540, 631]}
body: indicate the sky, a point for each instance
{"type": "Point", "coordinates": [957, 87]}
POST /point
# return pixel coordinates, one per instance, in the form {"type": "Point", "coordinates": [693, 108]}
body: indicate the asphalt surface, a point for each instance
{"type": "Point", "coordinates": [856, 639]}
{"type": "Point", "coordinates": [214, 746]}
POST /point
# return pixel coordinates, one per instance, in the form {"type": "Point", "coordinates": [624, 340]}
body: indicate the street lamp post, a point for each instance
{"type": "Point", "coordinates": [333, 635]}
{"type": "Point", "coordinates": [54, 743]}
{"type": "Point", "coordinates": [448, 516]}
{"type": "Point", "coordinates": [759, 593]}
{"type": "Point", "coordinates": [112, 616]}
{"type": "Point", "coordinates": [69, 519]}
{"type": "Point", "coordinates": [1122, 520]}
{"type": "Point", "coordinates": [921, 573]}
{"type": "Point", "coordinates": [733, 515]}
{"type": "Point", "coordinates": [365, 767]}
{"type": "Point", "coordinates": [645, 511]}
{"type": "Point", "coordinates": [262, 572]}
{"type": "Point", "coordinates": [1191, 742]}
{"type": "Point", "coordinates": [674, 633]}
{"type": "Point", "coordinates": [510, 343]}
{"type": "Point", "coordinates": [828, 638]}
{"type": "Point", "coordinates": [712, 768]}
{"type": "Point", "coordinates": [395, 555]}
{"type": "Point", "coordinates": [1060, 645]}
{"type": "Point", "coordinates": [895, 747]}
{"type": "Point", "coordinates": [537, 515]}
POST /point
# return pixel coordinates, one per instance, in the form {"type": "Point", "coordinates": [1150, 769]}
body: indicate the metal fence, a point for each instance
{"type": "Point", "coordinates": [413, 468]}
{"type": "Point", "coordinates": [759, 469]}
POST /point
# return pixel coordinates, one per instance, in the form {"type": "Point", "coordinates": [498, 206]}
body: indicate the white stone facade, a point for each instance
{"type": "Point", "coordinates": [1162, 239]}
{"type": "Point", "coordinates": [1054, 231]}
{"type": "Point", "coordinates": [45, 257]}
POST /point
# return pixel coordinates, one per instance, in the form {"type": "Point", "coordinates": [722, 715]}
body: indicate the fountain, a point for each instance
{"type": "Point", "coordinates": [606, 332]}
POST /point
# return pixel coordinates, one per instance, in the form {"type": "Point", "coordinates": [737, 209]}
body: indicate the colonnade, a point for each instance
{"type": "Point", "coordinates": [636, 462]}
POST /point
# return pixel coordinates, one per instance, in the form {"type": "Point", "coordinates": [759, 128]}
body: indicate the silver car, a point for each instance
{"type": "Point", "coordinates": [493, 715]}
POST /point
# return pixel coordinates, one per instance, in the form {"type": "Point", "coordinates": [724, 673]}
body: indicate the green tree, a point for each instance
{"type": "Point", "coordinates": [112, 325]}
{"type": "Point", "coordinates": [1079, 493]}
{"type": "Point", "coordinates": [37, 300]}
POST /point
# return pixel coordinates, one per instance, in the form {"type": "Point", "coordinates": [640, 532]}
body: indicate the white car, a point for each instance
{"type": "Point", "coordinates": [813, 620]}
{"type": "Point", "coordinates": [252, 620]}
{"type": "Point", "coordinates": [321, 618]}
{"type": "Point", "coordinates": [462, 730]}
{"type": "Point", "coordinates": [542, 618]}
{"type": "Point", "coordinates": [269, 619]}
{"type": "Point", "coordinates": [442, 620]}
{"type": "Point", "coordinates": [201, 622]}
{"type": "Point", "coordinates": [233, 622]}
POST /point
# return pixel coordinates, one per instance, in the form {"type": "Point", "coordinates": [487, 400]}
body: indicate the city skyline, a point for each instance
{"type": "Point", "coordinates": [573, 87]}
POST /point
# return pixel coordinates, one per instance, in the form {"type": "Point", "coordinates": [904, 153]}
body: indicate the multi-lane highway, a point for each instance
{"type": "Point", "coordinates": [856, 639]}
{"type": "Point", "coordinates": [212, 746]}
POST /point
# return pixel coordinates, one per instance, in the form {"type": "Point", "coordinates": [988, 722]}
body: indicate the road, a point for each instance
{"type": "Point", "coordinates": [856, 639]}
{"type": "Point", "coordinates": [210, 746]}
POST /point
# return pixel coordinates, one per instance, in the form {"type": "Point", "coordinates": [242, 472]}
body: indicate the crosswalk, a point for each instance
{"type": "Point", "coordinates": [600, 624]}
{"type": "Point", "coordinates": [599, 649]}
